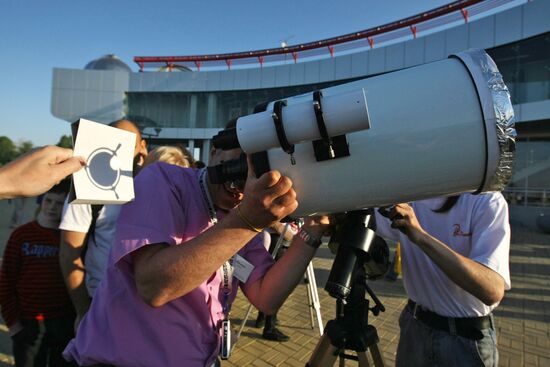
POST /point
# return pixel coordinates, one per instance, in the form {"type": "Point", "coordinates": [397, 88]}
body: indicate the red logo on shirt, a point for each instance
{"type": "Point", "coordinates": [458, 232]}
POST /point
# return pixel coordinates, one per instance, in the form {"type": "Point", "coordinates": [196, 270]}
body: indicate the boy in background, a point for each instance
{"type": "Point", "coordinates": [35, 304]}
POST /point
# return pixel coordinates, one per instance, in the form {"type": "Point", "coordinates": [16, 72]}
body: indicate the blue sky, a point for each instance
{"type": "Point", "coordinates": [38, 35]}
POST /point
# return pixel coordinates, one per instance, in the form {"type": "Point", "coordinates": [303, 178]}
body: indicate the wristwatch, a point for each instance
{"type": "Point", "coordinates": [308, 239]}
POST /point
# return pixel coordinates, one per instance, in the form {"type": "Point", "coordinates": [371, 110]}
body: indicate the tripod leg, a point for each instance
{"type": "Point", "coordinates": [363, 359]}
{"type": "Point", "coordinates": [245, 318]}
{"type": "Point", "coordinates": [324, 354]}
{"type": "Point", "coordinates": [342, 362]}
{"type": "Point", "coordinates": [310, 297]}
{"type": "Point", "coordinates": [315, 296]}
{"type": "Point", "coordinates": [376, 355]}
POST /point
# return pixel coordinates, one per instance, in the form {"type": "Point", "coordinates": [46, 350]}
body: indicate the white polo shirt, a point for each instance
{"type": "Point", "coordinates": [77, 218]}
{"type": "Point", "coordinates": [477, 227]}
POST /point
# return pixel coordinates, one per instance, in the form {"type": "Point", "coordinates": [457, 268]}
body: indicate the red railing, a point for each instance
{"type": "Point", "coordinates": [412, 26]}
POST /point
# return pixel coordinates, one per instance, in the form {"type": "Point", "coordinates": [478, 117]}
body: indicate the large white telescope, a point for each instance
{"type": "Point", "coordinates": [437, 129]}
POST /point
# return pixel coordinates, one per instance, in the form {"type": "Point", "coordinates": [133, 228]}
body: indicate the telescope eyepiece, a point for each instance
{"type": "Point", "coordinates": [226, 139]}
{"type": "Point", "coordinates": [232, 172]}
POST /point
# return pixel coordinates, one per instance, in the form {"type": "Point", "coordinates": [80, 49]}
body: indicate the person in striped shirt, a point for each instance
{"type": "Point", "coordinates": [34, 301]}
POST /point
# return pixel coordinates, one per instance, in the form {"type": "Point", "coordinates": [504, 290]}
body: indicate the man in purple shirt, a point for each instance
{"type": "Point", "coordinates": [173, 274]}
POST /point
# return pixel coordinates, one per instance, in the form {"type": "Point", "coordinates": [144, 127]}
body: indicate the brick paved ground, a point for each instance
{"type": "Point", "coordinates": [522, 320]}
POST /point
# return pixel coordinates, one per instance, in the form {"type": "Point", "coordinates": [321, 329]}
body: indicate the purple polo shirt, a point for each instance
{"type": "Point", "coordinates": [120, 328]}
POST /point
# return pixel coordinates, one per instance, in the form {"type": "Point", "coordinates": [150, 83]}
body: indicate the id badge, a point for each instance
{"type": "Point", "coordinates": [225, 351]}
{"type": "Point", "coordinates": [242, 268]}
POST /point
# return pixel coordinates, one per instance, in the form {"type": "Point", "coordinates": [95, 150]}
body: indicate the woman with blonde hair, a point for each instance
{"type": "Point", "coordinates": [178, 156]}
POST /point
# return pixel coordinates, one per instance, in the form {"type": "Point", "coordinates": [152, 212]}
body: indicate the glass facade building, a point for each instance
{"type": "Point", "coordinates": [188, 107]}
{"type": "Point", "coordinates": [206, 109]}
{"type": "Point", "coordinates": [525, 67]}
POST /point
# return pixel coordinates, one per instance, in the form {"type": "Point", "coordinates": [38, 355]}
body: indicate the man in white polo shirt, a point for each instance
{"type": "Point", "coordinates": [87, 232]}
{"type": "Point", "coordinates": [455, 268]}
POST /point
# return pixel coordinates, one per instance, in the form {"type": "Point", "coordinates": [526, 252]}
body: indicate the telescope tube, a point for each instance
{"type": "Point", "coordinates": [438, 129]}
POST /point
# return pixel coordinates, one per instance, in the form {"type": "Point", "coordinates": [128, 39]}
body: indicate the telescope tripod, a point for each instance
{"type": "Point", "coordinates": [350, 331]}
{"type": "Point", "coordinates": [348, 284]}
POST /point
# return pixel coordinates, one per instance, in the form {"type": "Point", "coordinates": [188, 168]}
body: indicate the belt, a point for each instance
{"type": "Point", "coordinates": [467, 327]}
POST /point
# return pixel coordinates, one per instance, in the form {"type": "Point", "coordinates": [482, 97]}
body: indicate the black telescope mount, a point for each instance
{"type": "Point", "coordinates": [361, 255]}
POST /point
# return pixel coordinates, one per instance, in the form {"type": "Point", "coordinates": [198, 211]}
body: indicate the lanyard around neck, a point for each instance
{"type": "Point", "coordinates": [206, 196]}
{"type": "Point", "coordinates": [227, 275]}
{"type": "Point", "coordinates": [227, 267]}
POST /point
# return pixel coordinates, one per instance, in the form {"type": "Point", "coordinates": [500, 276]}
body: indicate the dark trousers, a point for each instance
{"type": "Point", "coordinates": [41, 343]}
{"type": "Point", "coordinates": [420, 345]}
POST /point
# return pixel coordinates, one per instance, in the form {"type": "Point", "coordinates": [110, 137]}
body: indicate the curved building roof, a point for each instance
{"type": "Point", "coordinates": [420, 24]}
{"type": "Point", "coordinates": [108, 62]}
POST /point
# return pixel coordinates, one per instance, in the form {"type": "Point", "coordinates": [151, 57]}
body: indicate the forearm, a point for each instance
{"type": "Point", "coordinates": [76, 287]}
{"type": "Point", "coordinates": [170, 272]}
{"type": "Point", "coordinates": [9, 281]}
{"type": "Point", "coordinates": [281, 279]}
{"type": "Point", "coordinates": [475, 278]}
{"type": "Point", "coordinates": [10, 309]}
{"type": "Point", "coordinates": [7, 187]}
{"type": "Point", "coordinates": [74, 275]}
{"type": "Point", "coordinates": [10, 313]}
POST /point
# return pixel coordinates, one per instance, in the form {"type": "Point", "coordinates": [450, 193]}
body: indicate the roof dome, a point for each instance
{"type": "Point", "coordinates": [175, 67]}
{"type": "Point", "coordinates": [108, 62]}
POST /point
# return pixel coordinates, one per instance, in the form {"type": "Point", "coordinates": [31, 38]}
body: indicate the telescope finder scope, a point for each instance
{"type": "Point", "coordinates": [309, 118]}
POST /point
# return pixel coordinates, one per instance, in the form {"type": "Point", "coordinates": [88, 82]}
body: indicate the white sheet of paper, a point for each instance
{"type": "Point", "coordinates": [109, 153]}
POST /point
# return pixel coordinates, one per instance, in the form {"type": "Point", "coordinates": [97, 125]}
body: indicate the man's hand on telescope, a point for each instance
{"type": "Point", "coordinates": [267, 199]}
{"type": "Point", "coordinates": [403, 218]}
